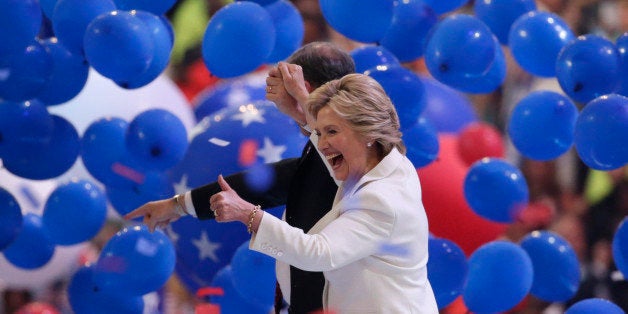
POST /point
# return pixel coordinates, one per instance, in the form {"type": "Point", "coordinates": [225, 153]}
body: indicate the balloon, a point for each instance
{"type": "Point", "coordinates": [289, 29]}
{"type": "Point", "coordinates": [441, 7]}
{"type": "Point", "coordinates": [499, 277]}
{"type": "Point", "coordinates": [421, 141]}
{"type": "Point", "coordinates": [361, 20]}
{"type": "Point", "coordinates": [157, 139]}
{"type": "Point", "coordinates": [536, 39]}
{"type": "Point", "coordinates": [20, 22]}
{"type": "Point", "coordinates": [446, 270]}
{"type": "Point", "coordinates": [238, 39]}
{"type": "Point", "coordinates": [594, 306]}
{"type": "Point", "coordinates": [22, 123]}
{"type": "Point", "coordinates": [230, 92]}
{"type": "Point", "coordinates": [449, 45]}
{"type": "Point", "coordinates": [160, 31]}
{"type": "Point", "coordinates": [46, 160]}
{"type": "Point", "coordinates": [499, 15]}
{"type": "Point", "coordinates": [556, 266]}
{"type": "Point", "coordinates": [447, 109]}
{"type": "Point", "coordinates": [47, 7]}
{"type": "Point", "coordinates": [152, 6]}
{"type": "Point", "coordinates": [406, 36]}
{"type": "Point", "coordinates": [478, 140]}
{"type": "Point", "coordinates": [447, 211]}
{"type": "Point", "coordinates": [68, 77]}
{"type": "Point", "coordinates": [601, 131]}
{"type": "Point", "coordinates": [541, 126]}
{"type": "Point", "coordinates": [150, 186]}
{"type": "Point", "coordinates": [25, 72]}
{"type": "Point", "coordinates": [588, 67]}
{"type": "Point", "coordinates": [37, 307]}
{"type": "Point", "coordinates": [86, 297]}
{"type": "Point", "coordinates": [232, 301]}
{"type": "Point", "coordinates": [405, 89]}
{"type": "Point", "coordinates": [620, 247]}
{"type": "Point", "coordinates": [134, 262]}
{"type": "Point", "coordinates": [496, 190]}
{"type": "Point", "coordinates": [75, 212]}
{"type": "Point", "coordinates": [370, 56]}
{"type": "Point", "coordinates": [33, 247]}
{"type": "Point", "coordinates": [119, 45]}
{"type": "Point", "coordinates": [10, 218]}
{"type": "Point", "coordinates": [70, 19]}
{"type": "Point", "coordinates": [622, 49]}
{"type": "Point", "coordinates": [254, 276]}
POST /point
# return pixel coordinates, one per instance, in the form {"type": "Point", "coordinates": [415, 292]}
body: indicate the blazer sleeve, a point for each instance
{"type": "Point", "coordinates": [276, 195]}
{"type": "Point", "coordinates": [358, 232]}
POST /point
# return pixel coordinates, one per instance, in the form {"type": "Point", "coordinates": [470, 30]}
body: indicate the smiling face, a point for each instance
{"type": "Point", "coordinates": [345, 150]}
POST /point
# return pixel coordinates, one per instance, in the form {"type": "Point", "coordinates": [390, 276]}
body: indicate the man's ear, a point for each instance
{"type": "Point", "coordinates": [308, 86]}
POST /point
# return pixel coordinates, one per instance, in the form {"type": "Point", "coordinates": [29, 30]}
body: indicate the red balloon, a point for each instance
{"type": "Point", "coordinates": [448, 213]}
{"type": "Point", "coordinates": [38, 308]}
{"type": "Point", "coordinates": [478, 140]}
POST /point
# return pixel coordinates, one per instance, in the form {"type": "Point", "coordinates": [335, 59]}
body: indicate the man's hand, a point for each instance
{"type": "Point", "coordinates": [277, 93]}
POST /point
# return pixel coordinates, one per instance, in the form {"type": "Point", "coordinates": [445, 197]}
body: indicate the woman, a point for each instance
{"type": "Point", "coordinates": [372, 245]}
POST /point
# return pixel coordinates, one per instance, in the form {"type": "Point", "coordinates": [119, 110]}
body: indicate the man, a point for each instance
{"type": "Point", "coordinates": [304, 185]}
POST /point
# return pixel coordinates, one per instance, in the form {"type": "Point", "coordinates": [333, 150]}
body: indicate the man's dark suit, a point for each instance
{"type": "Point", "coordinates": [307, 189]}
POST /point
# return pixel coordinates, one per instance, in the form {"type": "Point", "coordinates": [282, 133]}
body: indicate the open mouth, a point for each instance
{"type": "Point", "coordinates": [334, 160]}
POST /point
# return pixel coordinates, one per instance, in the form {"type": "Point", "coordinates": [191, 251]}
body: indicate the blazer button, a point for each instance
{"type": "Point", "coordinates": [280, 253]}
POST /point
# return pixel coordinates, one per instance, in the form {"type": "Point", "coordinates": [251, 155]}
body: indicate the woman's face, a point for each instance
{"type": "Point", "coordinates": [345, 150]}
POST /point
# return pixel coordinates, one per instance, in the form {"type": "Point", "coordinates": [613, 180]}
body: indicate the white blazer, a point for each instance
{"type": "Point", "coordinates": [371, 246]}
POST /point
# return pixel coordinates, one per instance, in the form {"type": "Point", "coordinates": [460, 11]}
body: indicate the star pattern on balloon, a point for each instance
{"type": "Point", "coordinates": [206, 248]}
{"type": "Point", "coordinates": [249, 114]}
{"type": "Point", "coordinates": [271, 152]}
{"type": "Point", "coordinates": [199, 128]}
{"type": "Point", "coordinates": [174, 237]}
{"type": "Point", "coordinates": [182, 187]}
{"type": "Point", "coordinates": [238, 96]}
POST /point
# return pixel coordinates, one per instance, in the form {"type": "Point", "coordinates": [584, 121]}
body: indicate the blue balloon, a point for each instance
{"type": "Point", "coordinates": [406, 36]}
{"type": "Point", "coordinates": [405, 89]}
{"type": "Point", "coordinates": [361, 20]}
{"type": "Point", "coordinates": [157, 139]}
{"type": "Point", "coordinates": [496, 190]}
{"type": "Point", "coordinates": [446, 270]}
{"type": "Point", "coordinates": [588, 67]}
{"type": "Point", "coordinates": [86, 297]}
{"type": "Point", "coordinates": [232, 301]}
{"type": "Point", "coordinates": [70, 19]}
{"type": "Point", "coordinates": [441, 7]}
{"type": "Point", "coordinates": [541, 126]}
{"type": "Point", "coordinates": [289, 29]}
{"type": "Point", "coordinates": [39, 161]}
{"type": "Point", "coordinates": [369, 56]}
{"type": "Point", "coordinates": [620, 247]}
{"type": "Point", "coordinates": [20, 22]}
{"type": "Point", "coordinates": [254, 276]}
{"type": "Point", "coordinates": [33, 247]}
{"type": "Point", "coordinates": [499, 277]}
{"type": "Point", "coordinates": [160, 30]}
{"type": "Point", "coordinates": [499, 15]}
{"type": "Point", "coordinates": [68, 77]}
{"type": "Point", "coordinates": [23, 122]}
{"type": "Point", "coordinates": [238, 39]}
{"type": "Point", "coordinates": [556, 266]}
{"type": "Point", "coordinates": [150, 186]}
{"type": "Point", "coordinates": [119, 45]}
{"type": "Point", "coordinates": [27, 71]}
{"type": "Point", "coordinates": [594, 306]}
{"type": "Point", "coordinates": [152, 6]}
{"type": "Point", "coordinates": [75, 212]}
{"type": "Point", "coordinates": [47, 7]}
{"type": "Point", "coordinates": [459, 45]}
{"type": "Point", "coordinates": [421, 141]}
{"type": "Point", "coordinates": [134, 262]}
{"type": "Point", "coordinates": [622, 49]}
{"type": "Point", "coordinates": [448, 110]}
{"type": "Point", "coordinates": [230, 92]}
{"type": "Point", "coordinates": [261, 2]}
{"type": "Point", "coordinates": [259, 177]}
{"type": "Point", "coordinates": [601, 132]}
{"type": "Point", "coordinates": [10, 218]}
{"type": "Point", "coordinates": [536, 39]}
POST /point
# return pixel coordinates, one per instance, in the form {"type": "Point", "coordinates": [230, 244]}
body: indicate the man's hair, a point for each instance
{"type": "Point", "coordinates": [322, 62]}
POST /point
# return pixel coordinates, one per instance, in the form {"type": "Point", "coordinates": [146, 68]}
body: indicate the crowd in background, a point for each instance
{"type": "Point", "coordinates": [582, 205]}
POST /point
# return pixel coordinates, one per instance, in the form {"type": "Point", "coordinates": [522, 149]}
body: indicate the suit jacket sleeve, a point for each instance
{"type": "Point", "coordinates": [275, 196]}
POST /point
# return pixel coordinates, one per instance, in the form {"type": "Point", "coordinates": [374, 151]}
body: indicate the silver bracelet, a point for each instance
{"type": "Point", "coordinates": [179, 207]}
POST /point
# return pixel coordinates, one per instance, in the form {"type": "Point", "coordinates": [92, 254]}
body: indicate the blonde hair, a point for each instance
{"type": "Point", "coordinates": [362, 102]}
